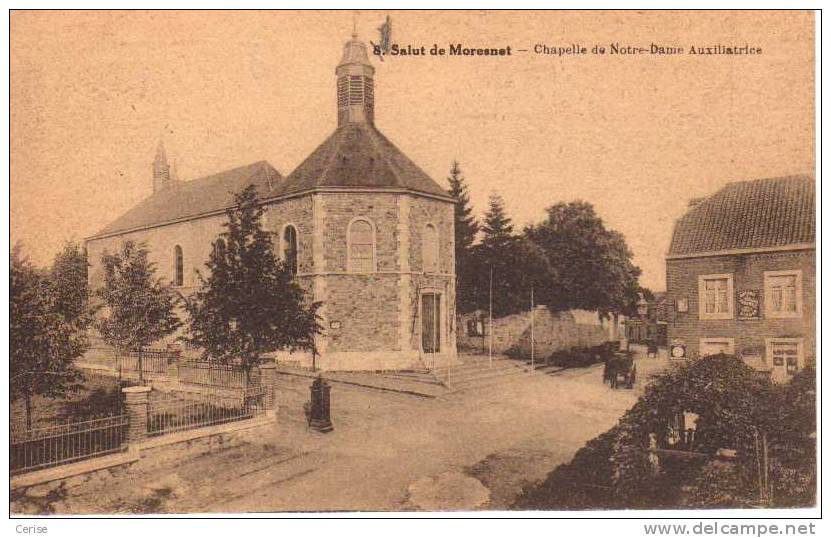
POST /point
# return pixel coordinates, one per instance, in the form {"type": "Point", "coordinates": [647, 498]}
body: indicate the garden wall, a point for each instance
{"type": "Point", "coordinates": [552, 331]}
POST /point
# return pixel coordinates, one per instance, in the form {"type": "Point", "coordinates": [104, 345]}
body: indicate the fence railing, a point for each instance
{"type": "Point", "coordinates": [229, 376]}
{"type": "Point", "coordinates": [65, 443]}
{"type": "Point", "coordinates": [147, 362]}
{"type": "Point", "coordinates": [171, 413]}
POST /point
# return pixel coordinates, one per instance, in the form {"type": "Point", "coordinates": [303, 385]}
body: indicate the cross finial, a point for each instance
{"type": "Point", "coordinates": [354, 26]}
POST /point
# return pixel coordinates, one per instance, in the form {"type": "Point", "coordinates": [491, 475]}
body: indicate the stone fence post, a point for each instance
{"type": "Point", "coordinates": [137, 404]}
{"type": "Point", "coordinates": [268, 373]}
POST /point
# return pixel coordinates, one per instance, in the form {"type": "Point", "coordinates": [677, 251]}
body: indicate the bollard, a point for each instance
{"type": "Point", "coordinates": [137, 407]}
{"type": "Point", "coordinates": [320, 418]}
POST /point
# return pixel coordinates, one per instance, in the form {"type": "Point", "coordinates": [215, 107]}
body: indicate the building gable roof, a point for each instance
{"type": "Point", "coordinates": [774, 212]}
{"type": "Point", "coordinates": [184, 199]}
{"type": "Point", "coordinates": [358, 155]}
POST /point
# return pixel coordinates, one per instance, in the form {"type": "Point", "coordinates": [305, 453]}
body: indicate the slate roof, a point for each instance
{"type": "Point", "coordinates": [191, 198]}
{"type": "Point", "coordinates": [770, 212]}
{"type": "Point", "coordinates": [355, 155]}
{"type": "Point", "coordinates": [358, 155]}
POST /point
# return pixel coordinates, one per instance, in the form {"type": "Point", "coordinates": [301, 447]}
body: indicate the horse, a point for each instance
{"type": "Point", "coordinates": [617, 366]}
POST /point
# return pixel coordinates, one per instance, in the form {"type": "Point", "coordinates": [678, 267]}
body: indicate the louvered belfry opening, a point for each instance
{"type": "Point", "coordinates": [355, 84]}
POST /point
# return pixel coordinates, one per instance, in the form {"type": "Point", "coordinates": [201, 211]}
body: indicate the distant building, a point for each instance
{"type": "Point", "coordinates": [652, 326]}
{"type": "Point", "coordinates": [366, 231]}
{"type": "Point", "coordinates": [741, 276]}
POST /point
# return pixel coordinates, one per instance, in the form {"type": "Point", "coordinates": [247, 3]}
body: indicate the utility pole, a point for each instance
{"type": "Point", "coordinates": [533, 316]}
{"type": "Point", "coordinates": [490, 321]}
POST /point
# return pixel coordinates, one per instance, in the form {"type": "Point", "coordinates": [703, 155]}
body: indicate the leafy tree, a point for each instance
{"type": "Point", "coordinates": [249, 304]}
{"type": "Point", "coordinates": [466, 227]}
{"type": "Point", "coordinates": [42, 344]}
{"type": "Point", "coordinates": [593, 265]}
{"type": "Point", "coordinates": [140, 308]}
{"type": "Point", "coordinates": [68, 280]}
{"type": "Point", "coordinates": [517, 265]}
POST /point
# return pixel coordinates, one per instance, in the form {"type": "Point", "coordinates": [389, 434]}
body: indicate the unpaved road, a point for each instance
{"type": "Point", "coordinates": [386, 453]}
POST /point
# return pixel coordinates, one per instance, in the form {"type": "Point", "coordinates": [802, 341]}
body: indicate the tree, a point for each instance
{"type": "Point", "coordinates": [249, 304]}
{"type": "Point", "coordinates": [466, 227]}
{"type": "Point", "coordinates": [68, 280]}
{"type": "Point", "coordinates": [42, 344]}
{"type": "Point", "coordinates": [593, 265]}
{"type": "Point", "coordinates": [497, 228]}
{"type": "Point", "coordinates": [515, 264]}
{"type": "Point", "coordinates": [140, 308]}
{"type": "Point", "coordinates": [735, 407]}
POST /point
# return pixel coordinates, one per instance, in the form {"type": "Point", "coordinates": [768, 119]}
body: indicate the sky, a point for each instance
{"type": "Point", "coordinates": [638, 136]}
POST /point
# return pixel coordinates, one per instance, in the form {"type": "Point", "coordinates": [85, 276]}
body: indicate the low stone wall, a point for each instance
{"type": "Point", "coordinates": [552, 331]}
{"type": "Point", "coordinates": [30, 491]}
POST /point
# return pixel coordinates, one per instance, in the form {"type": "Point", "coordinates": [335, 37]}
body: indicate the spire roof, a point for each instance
{"type": "Point", "coordinates": [358, 155]}
{"type": "Point", "coordinates": [161, 154]}
{"type": "Point", "coordinates": [355, 52]}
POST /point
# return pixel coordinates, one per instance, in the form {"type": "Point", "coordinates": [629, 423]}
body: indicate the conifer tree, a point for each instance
{"type": "Point", "coordinates": [497, 229]}
{"type": "Point", "coordinates": [249, 304]}
{"type": "Point", "coordinates": [466, 227]}
{"type": "Point", "coordinates": [514, 264]}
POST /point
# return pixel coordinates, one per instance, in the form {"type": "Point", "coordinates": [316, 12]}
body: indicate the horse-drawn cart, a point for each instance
{"type": "Point", "coordinates": [620, 370]}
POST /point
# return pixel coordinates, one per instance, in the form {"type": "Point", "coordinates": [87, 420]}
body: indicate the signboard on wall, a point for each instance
{"type": "Point", "coordinates": [748, 304]}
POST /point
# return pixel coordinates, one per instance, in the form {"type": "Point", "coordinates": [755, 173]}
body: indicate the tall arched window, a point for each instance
{"type": "Point", "coordinates": [290, 248]}
{"type": "Point", "coordinates": [430, 249]}
{"type": "Point", "coordinates": [179, 269]}
{"type": "Point", "coordinates": [361, 246]}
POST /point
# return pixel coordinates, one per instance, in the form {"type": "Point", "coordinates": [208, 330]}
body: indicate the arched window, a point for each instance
{"type": "Point", "coordinates": [430, 249]}
{"type": "Point", "coordinates": [289, 254]}
{"type": "Point", "coordinates": [219, 248]}
{"type": "Point", "coordinates": [179, 269]}
{"type": "Point", "coordinates": [361, 246]}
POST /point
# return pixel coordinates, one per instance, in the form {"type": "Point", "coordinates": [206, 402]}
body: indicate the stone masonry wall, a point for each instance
{"type": "Point", "coordinates": [553, 331]}
{"type": "Point", "coordinates": [361, 309]}
{"type": "Point", "coordinates": [380, 209]}
{"type": "Point", "coordinates": [298, 212]}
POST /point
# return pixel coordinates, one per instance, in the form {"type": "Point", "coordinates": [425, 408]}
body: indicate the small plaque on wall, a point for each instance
{"type": "Point", "coordinates": [682, 305]}
{"type": "Point", "coordinates": [748, 304]}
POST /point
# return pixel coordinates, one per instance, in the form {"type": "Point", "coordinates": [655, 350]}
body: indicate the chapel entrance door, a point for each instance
{"type": "Point", "coordinates": [431, 322]}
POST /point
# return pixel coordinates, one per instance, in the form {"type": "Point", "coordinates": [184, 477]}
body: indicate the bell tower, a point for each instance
{"type": "Point", "coordinates": [356, 100]}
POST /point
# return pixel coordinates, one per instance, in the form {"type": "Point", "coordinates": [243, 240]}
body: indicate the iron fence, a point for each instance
{"type": "Point", "coordinates": [168, 413]}
{"type": "Point", "coordinates": [211, 374]}
{"type": "Point", "coordinates": [147, 362]}
{"type": "Point", "coordinates": [60, 444]}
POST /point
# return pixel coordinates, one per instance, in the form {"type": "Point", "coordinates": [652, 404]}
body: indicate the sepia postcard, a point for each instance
{"type": "Point", "coordinates": [442, 262]}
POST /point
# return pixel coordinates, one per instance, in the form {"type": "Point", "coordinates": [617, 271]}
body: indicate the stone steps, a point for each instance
{"type": "Point", "coordinates": [475, 373]}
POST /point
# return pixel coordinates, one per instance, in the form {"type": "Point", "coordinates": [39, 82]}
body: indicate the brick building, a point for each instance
{"type": "Point", "coordinates": [741, 276]}
{"type": "Point", "coordinates": [366, 231]}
